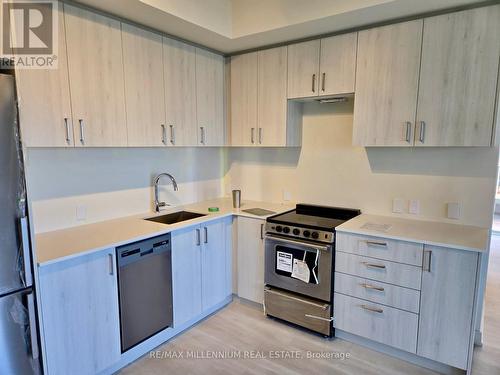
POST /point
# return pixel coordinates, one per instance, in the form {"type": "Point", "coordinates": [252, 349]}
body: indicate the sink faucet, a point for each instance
{"type": "Point", "coordinates": [157, 202]}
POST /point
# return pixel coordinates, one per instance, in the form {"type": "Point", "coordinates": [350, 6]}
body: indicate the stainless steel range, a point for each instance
{"type": "Point", "coordinates": [299, 265]}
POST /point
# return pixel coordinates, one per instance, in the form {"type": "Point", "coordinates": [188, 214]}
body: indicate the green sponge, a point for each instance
{"type": "Point", "coordinates": [213, 209]}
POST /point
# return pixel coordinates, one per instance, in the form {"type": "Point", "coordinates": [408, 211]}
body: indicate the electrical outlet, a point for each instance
{"type": "Point", "coordinates": [397, 205]}
{"type": "Point", "coordinates": [287, 196]}
{"type": "Point", "coordinates": [81, 212]}
{"type": "Point", "coordinates": [414, 207]}
{"type": "Point", "coordinates": [454, 210]}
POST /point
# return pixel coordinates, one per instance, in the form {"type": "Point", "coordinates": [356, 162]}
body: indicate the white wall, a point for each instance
{"type": "Point", "coordinates": [115, 182]}
{"type": "Point", "coordinates": [329, 170]}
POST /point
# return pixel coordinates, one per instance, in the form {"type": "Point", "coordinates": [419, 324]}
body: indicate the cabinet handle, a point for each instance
{"type": "Point", "coordinates": [427, 260]}
{"type": "Point", "coordinates": [206, 234]}
{"type": "Point", "coordinates": [198, 237]}
{"type": "Point", "coordinates": [323, 82]}
{"type": "Point", "coordinates": [82, 134]}
{"type": "Point", "coordinates": [373, 265]}
{"type": "Point", "coordinates": [260, 135]}
{"type": "Point", "coordinates": [408, 132]}
{"type": "Point", "coordinates": [252, 135]}
{"type": "Point", "coordinates": [375, 243]}
{"type": "Point", "coordinates": [421, 137]}
{"type": "Point", "coordinates": [111, 265]}
{"type": "Point", "coordinates": [373, 309]}
{"type": "Point", "coordinates": [202, 130]}
{"type": "Point", "coordinates": [261, 231]}
{"type": "Point", "coordinates": [319, 318]}
{"type": "Point", "coordinates": [172, 134]}
{"type": "Point", "coordinates": [66, 127]}
{"type": "Point", "coordinates": [163, 134]}
{"type": "Point", "coordinates": [314, 83]}
{"type": "Point", "coordinates": [373, 287]}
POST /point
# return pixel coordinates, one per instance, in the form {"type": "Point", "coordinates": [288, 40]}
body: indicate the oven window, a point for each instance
{"type": "Point", "coordinates": [284, 257]}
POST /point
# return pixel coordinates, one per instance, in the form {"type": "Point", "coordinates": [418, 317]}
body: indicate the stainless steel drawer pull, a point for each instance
{"type": "Point", "coordinates": [372, 265]}
{"type": "Point", "coordinates": [111, 265]}
{"type": "Point", "coordinates": [314, 83]}
{"type": "Point", "coordinates": [252, 135]}
{"type": "Point", "coordinates": [206, 234]}
{"type": "Point", "coordinates": [163, 134]}
{"type": "Point", "coordinates": [323, 82]}
{"type": "Point", "coordinates": [427, 260]}
{"type": "Point", "coordinates": [172, 134]}
{"type": "Point", "coordinates": [408, 132]}
{"type": "Point", "coordinates": [260, 135]}
{"type": "Point", "coordinates": [198, 237]}
{"type": "Point", "coordinates": [373, 309]}
{"type": "Point", "coordinates": [319, 317]}
{"type": "Point", "coordinates": [202, 129]}
{"type": "Point", "coordinates": [375, 243]}
{"type": "Point", "coordinates": [261, 231]}
{"type": "Point", "coordinates": [421, 137]}
{"type": "Point", "coordinates": [373, 287]}
{"type": "Point", "coordinates": [66, 126]}
{"type": "Point", "coordinates": [82, 134]}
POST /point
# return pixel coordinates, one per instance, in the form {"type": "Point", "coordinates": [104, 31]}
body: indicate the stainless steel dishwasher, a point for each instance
{"type": "Point", "coordinates": [145, 289]}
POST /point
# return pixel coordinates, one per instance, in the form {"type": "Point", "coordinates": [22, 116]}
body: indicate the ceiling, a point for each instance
{"type": "Point", "coordinates": [235, 25]}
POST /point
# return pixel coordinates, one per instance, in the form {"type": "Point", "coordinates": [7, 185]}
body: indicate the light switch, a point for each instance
{"type": "Point", "coordinates": [398, 205]}
{"type": "Point", "coordinates": [454, 210]}
{"type": "Point", "coordinates": [81, 212]}
{"type": "Point", "coordinates": [414, 207]}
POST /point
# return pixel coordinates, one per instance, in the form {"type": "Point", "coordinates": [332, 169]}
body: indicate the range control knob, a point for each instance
{"type": "Point", "coordinates": [315, 235]}
{"type": "Point", "coordinates": [306, 233]}
{"type": "Point", "coordinates": [286, 230]}
{"type": "Point", "coordinates": [279, 228]}
{"type": "Point", "coordinates": [296, 231]}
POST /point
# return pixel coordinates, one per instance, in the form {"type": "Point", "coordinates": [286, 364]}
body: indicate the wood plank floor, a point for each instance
{"type": "Point", "coordinates": [242, 327]}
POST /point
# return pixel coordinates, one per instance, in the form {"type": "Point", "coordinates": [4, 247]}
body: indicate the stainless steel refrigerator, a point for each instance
{"type": "Point", "coordinates": [19, 349]}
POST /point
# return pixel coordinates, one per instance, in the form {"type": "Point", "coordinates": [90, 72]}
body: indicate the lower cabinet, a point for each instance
{"type": "Point", "coordinates": [80, 315]}
{"type": "Point", "coordinates": [250, 240]}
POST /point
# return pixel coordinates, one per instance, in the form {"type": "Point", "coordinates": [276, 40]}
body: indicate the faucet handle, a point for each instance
{"type": "Point", "coordinates": [162, 204]}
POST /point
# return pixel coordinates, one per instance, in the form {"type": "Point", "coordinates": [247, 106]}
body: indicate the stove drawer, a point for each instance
{"type": "Point", "coordinates": [381, 248]}
{"type": "Point", "coordinates": [375, 291]}
{"type": "Point", "coordinates": [379, 323]}
{"type": "Point", "coordinates": [380, 270]}
{"type": "Point", "coordinates": [299, 310]}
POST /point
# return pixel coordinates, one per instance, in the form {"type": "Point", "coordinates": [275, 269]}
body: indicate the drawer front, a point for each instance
{"type": "Point", "coordinates": [381, 270]}
{"type": "Point", "coordinates": [375, 291]}
{"type": "Point", "coordinates": [381, 248]}
{"type": "Point", "coordinates": [299, 310]}
{"type": "Point", "coordinates": [379, 323]}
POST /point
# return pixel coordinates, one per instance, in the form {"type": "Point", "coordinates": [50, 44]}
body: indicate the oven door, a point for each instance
{"type": "Point", "coordinates": [284, 257]}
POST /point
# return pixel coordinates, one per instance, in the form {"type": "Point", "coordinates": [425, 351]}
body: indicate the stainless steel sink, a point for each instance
{"type": "Point", "coordinates": [175, 217]}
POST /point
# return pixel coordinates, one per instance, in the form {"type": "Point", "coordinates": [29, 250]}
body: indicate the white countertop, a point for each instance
{"type": "Point", "coordinates": [71, 242]}
{"type": "Point", "coordinates": [461, 237]}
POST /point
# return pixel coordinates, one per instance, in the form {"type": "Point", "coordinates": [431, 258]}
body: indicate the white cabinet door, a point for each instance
{"type": "Point", "coordinates": [94, 44]}
{"type": "Point", "coordinates": [80, 318]}
{"type": "Point", "coordinates": [186, 274]}
{"type": "Point", "coordinates": [144, 91]}
{"type": "Point", "coordinates": [456, 100]}
{"type": "Point", "coordinates": [210, 98]}
{"type": "Point", "coordinates": [387, 73]}
{"type": "Point", "coordinates": [179, 60]}
{"type": "Point", "coordinates": [303, 69]}
{"type": "Point", "coordinates": [272, 101]}
{"type": "Point", "coordinates": [446, 305]}
{"type": "Point", "coordinates": [244, 99]}
{"type": "Point", "coordinates": [213, 263]}
{"type": "Point", "coordinates": [250, 241]}
{"type": "Point", "coordinates": [338, 64]}
{"type": "Point", "coordinates": [44, 101]}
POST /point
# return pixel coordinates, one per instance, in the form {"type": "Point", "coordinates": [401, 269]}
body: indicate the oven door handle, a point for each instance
{"type": "Point", "coordinates": [300, 243]}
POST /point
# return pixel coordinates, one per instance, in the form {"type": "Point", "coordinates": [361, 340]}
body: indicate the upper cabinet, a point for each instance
{"type": "Point", "coordinates": [210, 98]}
{"type": "Point", "coordinates": [386, 84]}
{"type": "Point", "coordinates": [144, 91]}
{"type": "Point", "coordinates": [94, 44]}
{"type": "Point", "coordinates": [46, 120]}
{"type": "Point", "coordinates": [458, 78]}
{"type": "Point", "coordinates": [179, 60]}
{"type": "Point", "coordinates": [322, 67]}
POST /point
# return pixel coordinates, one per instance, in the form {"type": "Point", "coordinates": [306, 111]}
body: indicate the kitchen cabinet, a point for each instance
{"type": "Point", "coordinates": [44, 101]}
{"type": "Point", "coordinates": [79, 314]}
{"type": "Point", "coordinates": [446, 305]}
{"type": "Point", "coordinates": [144, 91]}
{"type": "Point", "coordinates": [243, 99]}
{"type": "Point", "coordinates": [250, 240]}
{"type": "Point", "coordinates": [179, 61]}
{"type": "Point", "coordinates": [387, 75]}
{"type": "Point", "coordinates": [458, 78]}
{"type": "Point", "coordinates": [210, 98]}
{"type": "Point", "coordinates": [94, 48]}
{"type": "Point", "coordinates": [322, 67]}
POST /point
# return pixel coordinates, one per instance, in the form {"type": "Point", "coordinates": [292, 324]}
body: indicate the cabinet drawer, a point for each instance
{"type": "Point", "coordinates": [380, 270]}
{"type": "Point", "coordinates": [374, 291]}
{"type": "Point", "coordinates": [384, 324]}
{"type": "Point", "coordinates": [381, 248]}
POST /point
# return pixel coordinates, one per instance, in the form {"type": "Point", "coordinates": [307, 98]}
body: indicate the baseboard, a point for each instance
{"type": "Point", "coordinates": [400, 354]}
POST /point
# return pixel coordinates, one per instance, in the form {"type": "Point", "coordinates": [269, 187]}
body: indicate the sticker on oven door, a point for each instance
{"type": "Point", "coordinates": [301, 270]}
{"type": "Point", "coordinates": [284, 261]}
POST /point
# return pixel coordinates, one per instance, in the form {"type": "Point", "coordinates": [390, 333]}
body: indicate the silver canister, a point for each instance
{"type": "Point", "coordinates": [236, 198]}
